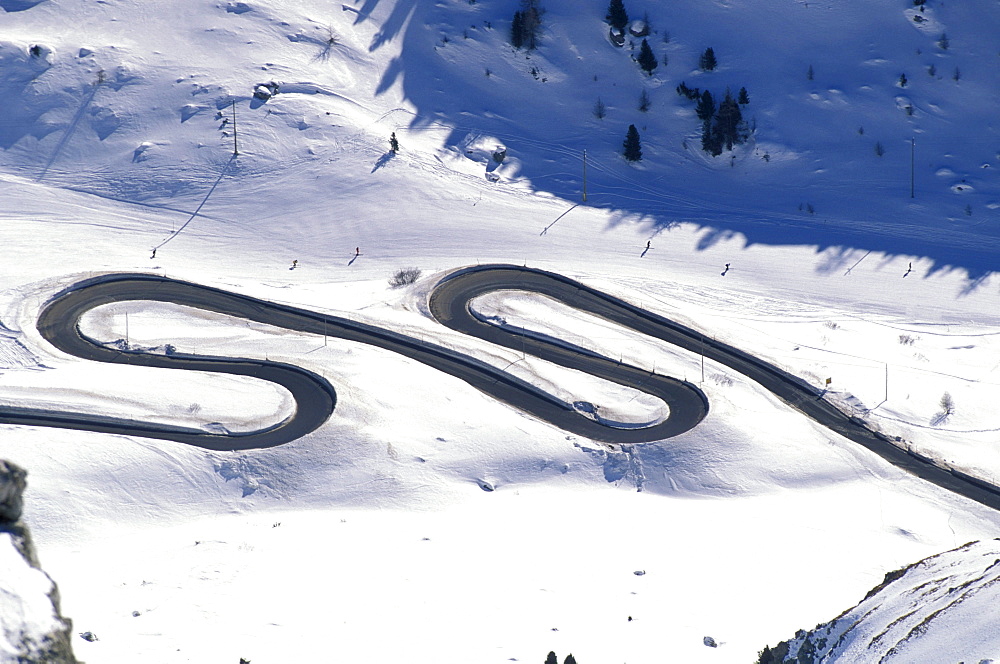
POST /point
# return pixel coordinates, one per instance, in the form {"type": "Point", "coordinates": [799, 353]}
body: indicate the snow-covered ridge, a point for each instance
{"type": "Point", "coordinates": [942, 608]}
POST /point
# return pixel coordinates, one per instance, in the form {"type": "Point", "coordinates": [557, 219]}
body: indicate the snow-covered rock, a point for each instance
{"type": "Point", "coordinates": [31, 627]}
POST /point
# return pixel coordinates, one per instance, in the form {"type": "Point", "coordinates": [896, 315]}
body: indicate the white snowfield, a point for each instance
{"type": "Point", "coordinates": [373, 539]}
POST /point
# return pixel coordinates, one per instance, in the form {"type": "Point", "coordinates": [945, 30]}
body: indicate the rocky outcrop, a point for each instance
{"type": "Point", "coordinates": [31, 627]}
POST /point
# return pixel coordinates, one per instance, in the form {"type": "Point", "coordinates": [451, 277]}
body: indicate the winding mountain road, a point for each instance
{"type": "Point", "coordinates": [449, 303]}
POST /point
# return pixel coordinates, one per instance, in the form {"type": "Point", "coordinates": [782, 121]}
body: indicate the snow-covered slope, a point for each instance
{"type": "Point", "coordinates": [118, 138]}
{"type": "Point", "coordinates": [942, 608]}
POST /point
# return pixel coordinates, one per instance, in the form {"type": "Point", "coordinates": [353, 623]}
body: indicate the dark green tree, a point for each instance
{"type": "Point", "coordinates": [646, 58]}
{"type": "Point", "coordinates": [531, 11]}
{"type": "Point", "coordinates": [644, 101]}
{"type": "Point", "coordinates": [569, 659]}
{"type": "Point", "coordinates": [708, 61]}
{"type": "Point", "coordinates": [632, 150]}
{"type": "Point", "coordinates": [728, 124]}
{"type": "Point", "coordinates": [706, 107]}
{"type": "Point", "coordinates": [517, 30]}
{"type": "Point", "coordinates": [551, 659]}
{"type": "Point", "coordinates": [617, 16]}
{"type": "Point", "coordinates": [743, 98]}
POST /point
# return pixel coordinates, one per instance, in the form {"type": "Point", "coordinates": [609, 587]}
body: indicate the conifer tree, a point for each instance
{"type": "Point", "coordinates": [551, 659]}
{"type": "Point", "coordinates": [743, 98]}
{"type": "Point", "coordinates": [600, 110]}
{"type": "Point", "coordinates": [531, 11]}
{"type": "Point", "coordinates": [517, 30]}
{"type": "Point", "coordinates": [644, 101]}
{"type": "Point", "coordinates": [632, 150]}
{"type": "Point", "coordinates": [706, 107]}
{"type": "Point", "coordinates": [646, 58]}
{"type": "Point", "coordinates": [726, 129]}
{"type": "Point", "coordinates": [708, 61]}
{"type": "Point", "coordinates": [617, 16]}
{"type": "Point", "coordinates": [569, 659]}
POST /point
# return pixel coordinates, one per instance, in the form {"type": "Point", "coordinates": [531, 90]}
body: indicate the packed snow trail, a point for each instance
{"type": "Point", "coordinates": [450, 304]}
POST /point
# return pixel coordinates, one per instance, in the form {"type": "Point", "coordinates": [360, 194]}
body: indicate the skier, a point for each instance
{"type": "Point", "coordinates": [295, 264]}
{"type": "Point", "coordinates": [726, 270]}
{"type": "Point", "coordinates": [648, 244]}
{"type": "Point", "coordinates": [154, 254]}
{"type": "Point", "coordinates": [357, 251]}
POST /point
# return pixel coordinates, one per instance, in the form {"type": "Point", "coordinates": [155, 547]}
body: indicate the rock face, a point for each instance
{"type": "Point", "coordinates": [31, 627]}
{"type": "Point", "coordinates": [936, 610]}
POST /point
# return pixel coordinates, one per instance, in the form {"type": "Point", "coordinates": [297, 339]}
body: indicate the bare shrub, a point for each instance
{"type": "Point", "coordinates": [906, 340]}
{"type": "Point", "coordinates": [722, 380]}
{"type": "Point", "coordinates": [404, 277]}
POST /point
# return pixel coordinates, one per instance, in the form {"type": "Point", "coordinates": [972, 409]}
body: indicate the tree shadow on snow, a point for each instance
{"type": "Point", "coordinates": [849, 221]}
{"type": "Point", "coordinates": [383, 160]}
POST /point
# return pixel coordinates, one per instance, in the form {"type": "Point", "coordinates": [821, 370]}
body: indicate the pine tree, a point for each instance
{"type": "Point", "coordinates": [726, 129]}
{"type": "Point", "coordinates": [600, 110]}
{"type": "Point", "coordinates": [617, 17]}
{"type": "Point", "coordinates": [531, 12]}
{"type": "Point", "coordinates": [644, 101]}
{"type": "Point", "coordinates": [708, 61]}
{"type": "Point", "coordinates": [743, 98]}
{"type": "Point", "coordinates": [943, 42]}
{"type": "Point", "coordinates": [569, 659]}
{"type": "Point", "coordinates": [706, 107]}
{"type": "Point", "coordinates": [632, 150]}
{"type": "Point", "coordinates": [517, 30]}
{"type": "Point", "coordinates": [551, 659]}
{"type": "Point", "coordinates": [646, 58]}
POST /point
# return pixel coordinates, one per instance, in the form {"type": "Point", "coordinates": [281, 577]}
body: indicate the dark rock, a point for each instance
{"type": "Point", "coordinates": [12, 483]}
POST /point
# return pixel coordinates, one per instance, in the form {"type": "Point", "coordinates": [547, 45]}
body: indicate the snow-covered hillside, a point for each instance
{"type": "Point", "coordinates": [939, 609]}
{"type": "Point", "coordinates": [372, 538]}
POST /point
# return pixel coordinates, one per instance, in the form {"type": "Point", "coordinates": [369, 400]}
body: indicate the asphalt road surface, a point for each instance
{"type": "Point", "coordinates": [315, 398]}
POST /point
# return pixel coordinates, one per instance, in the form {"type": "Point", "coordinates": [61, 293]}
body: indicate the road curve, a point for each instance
{"type": "Point", "coordinates": [450, 304]}
{"type": "Point", "coordinates": [314, 397]}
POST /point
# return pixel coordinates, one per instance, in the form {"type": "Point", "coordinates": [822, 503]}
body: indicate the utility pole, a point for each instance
{"type": "Point", "coordinates": [584, 176]}
{"type": "Point", "coordinates": [236, 150]}
{"type": "Point", "coordinates": [913, 143]}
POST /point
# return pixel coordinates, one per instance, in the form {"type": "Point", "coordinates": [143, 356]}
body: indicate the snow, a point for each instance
{"type": "Point", "coordinates": [752, 525]}
{"type": "Point", "coordinates": [924, 611]}
{"type": "Point", "coordinates": [25, 607]}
